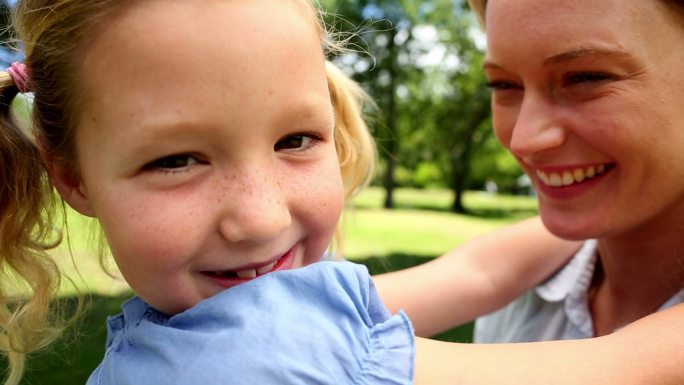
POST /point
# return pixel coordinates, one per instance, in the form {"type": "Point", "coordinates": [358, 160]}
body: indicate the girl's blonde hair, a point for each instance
{"type": "Point", "coordinates": [26, 207]}
{"type": "Point", "coordinates": [478, 7]}
{"type": "Point", "coordinates": [55, 35]}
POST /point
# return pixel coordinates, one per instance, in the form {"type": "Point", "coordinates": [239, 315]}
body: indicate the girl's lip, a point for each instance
{"type": "Point", "coordinates": [257, 266]}
{"type": "Point", "coordinates": [230, 278]}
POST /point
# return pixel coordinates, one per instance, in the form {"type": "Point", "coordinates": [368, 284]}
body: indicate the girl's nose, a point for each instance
{"type": "Point", "coordinates": [536, 129]}
{"type": "Point", "coordinates": [255, 211]}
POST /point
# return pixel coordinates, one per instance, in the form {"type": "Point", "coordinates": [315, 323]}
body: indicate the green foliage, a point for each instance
{"type": "Point", "coordinates": [428, 174]}
{"type": "Point", "coordinates": [425, 174]}
{"type": "Point", "coordinates": [491, 163]}
{"type": "Point", "coordinates": [421, 63]}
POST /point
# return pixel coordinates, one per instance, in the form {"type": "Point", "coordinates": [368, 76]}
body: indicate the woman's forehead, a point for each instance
{"type": "Point", "coordinates": [557, 26]}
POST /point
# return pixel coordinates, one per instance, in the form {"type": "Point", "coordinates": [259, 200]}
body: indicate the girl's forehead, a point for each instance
{"type": "Point", "coordinates": [169, 59]}
{"type": "Point", "coordinates": [157, 36]}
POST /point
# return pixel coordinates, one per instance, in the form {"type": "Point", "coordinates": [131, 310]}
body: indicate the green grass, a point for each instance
{"type": "Point", "coordinates": [419, 229]}
{"type": "Point", "coordinates": [422, 223]}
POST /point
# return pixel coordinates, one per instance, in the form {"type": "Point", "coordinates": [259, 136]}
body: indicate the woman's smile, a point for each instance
{"type": "Point", "coordinates": [572, 175]}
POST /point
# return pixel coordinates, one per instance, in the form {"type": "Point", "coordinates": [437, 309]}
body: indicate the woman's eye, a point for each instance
{"type": "Point", "coordinates": [172, 162]}
{"type": "Point", "coordinates": [585, 77]}
{"type": "Point", "coordinates": [295, 142]}
{"type": "Point", "coordinates": [502, 85]}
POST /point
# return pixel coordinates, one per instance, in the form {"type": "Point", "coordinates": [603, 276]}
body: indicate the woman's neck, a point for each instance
{"type": "Point", "coordinates": [636, 273]}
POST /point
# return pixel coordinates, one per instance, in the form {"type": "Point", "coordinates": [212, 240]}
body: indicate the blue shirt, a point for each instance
{"type": "Point", "coordinates": [321, 324]}
{"type": "Point", "coordinates": [556, 310]}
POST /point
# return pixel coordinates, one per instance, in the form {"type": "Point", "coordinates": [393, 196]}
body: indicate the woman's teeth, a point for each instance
{"type": "Point", "coordinates": [567, 178]}
{"type": "Point", "coordinates": [253, 273]}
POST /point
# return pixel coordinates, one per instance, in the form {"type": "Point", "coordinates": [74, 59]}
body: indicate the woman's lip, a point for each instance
{"type": "Point", "coordinates": [575, 188]}
{"type": "Point", "coordinates": [565, 167]}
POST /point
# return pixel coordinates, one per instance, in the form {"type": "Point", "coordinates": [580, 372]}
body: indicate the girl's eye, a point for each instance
{"type": "Point", "coordinates": [585, 77]}
{"type": "Point", "coordinates": [295, 142]}
{"type": "Point", "coordinates": [172, 162]}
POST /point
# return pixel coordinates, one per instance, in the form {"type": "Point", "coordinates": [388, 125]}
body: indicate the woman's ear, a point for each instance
{"type": "Point", "coordinates": [70, 186]}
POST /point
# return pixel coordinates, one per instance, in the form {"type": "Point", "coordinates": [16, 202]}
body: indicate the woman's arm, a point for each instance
{"type": "Point", "coordinates": [475, 278]}
{"type": "Point", "coordinates": [648, 351]}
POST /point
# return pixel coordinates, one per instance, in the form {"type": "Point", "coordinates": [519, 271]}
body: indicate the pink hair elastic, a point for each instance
{"type": "Point", "coordinates": [20, 76]}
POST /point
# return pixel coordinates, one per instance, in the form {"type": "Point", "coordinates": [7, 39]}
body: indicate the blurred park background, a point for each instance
{"type": "Point", "coordinates": [443, 177]}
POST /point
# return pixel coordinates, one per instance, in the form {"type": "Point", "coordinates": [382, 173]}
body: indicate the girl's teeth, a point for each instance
{"type": "Point", "coordinates": [568, 178]}
{"type": "Point", "coordinates": [266, 269]}
{"type": "Point", "coordinates": [253, 273]}
{"type": "Point", "coordinates": [249, 273]}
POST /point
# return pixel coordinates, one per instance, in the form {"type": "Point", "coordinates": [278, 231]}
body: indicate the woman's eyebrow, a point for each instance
{"type": "Point", "coordinates": [581, 52]}
{"type": "Point", "coordinates": [490, 65]}
{"type": "Point", "coordinates": [572, 54]}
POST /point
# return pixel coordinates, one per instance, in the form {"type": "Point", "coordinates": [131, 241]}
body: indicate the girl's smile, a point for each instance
{"type": "Point", "coordinates": [233, 277]}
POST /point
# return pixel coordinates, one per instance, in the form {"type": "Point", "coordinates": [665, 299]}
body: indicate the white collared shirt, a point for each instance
{"type": "Point", "coordinates": [555, 310]}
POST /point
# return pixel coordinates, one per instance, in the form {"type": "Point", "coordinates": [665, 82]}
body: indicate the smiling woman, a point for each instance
{"type": "Point", "coordinates": [587, 96]}
{"type": "Point", "coordinates": [583, 97]}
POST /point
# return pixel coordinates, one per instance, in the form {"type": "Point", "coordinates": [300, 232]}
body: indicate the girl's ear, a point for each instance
{"type": "Point", "coordinates": [68, 183]}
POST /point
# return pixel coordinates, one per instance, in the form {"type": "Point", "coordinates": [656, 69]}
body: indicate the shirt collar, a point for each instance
{"type": "Point", "coordinates": [574, 277]}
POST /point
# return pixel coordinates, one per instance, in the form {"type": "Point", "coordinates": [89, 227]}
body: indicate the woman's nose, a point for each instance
{"type": "Point", "coordinates": [536, 128]}
{"type": "Point", "coordinates": [256, 210]}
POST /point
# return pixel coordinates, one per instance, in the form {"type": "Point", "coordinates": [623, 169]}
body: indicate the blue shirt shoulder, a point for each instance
{"type": "Point", "coordinates": [321, 324]}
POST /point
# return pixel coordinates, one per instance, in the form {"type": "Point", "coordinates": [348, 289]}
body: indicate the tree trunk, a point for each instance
{"type": "Point", "coordinates": [391, 144]}
{"type": "Point", "coordinates": [461, 159]}
{"type": "Point", "coordinates": [460, 163]}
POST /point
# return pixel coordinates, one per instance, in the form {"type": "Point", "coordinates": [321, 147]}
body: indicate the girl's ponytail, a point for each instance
{"type": "Point", "coordinates": [29, 278]}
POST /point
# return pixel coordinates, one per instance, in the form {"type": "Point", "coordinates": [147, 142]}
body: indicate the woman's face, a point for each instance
{"type": "Point", "coordinates": [589, 96]}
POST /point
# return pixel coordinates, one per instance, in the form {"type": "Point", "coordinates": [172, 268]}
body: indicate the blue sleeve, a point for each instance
{"type": "Point", "coordinates": [322, 324]}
